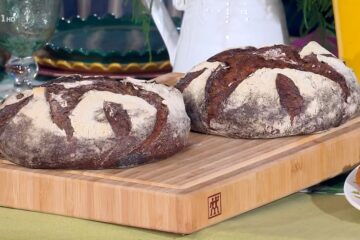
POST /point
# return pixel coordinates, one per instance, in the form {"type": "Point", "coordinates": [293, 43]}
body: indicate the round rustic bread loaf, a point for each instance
{"type": "Point", "coordinates": [93, 123]}
{"type": "Point", "coordinates": [270, 92]}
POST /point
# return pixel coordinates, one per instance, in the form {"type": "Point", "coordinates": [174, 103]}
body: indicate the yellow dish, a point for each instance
{"type": "Point", "coordinates": [116, 68]}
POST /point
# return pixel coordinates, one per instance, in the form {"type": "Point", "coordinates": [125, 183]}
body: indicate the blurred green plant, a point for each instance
{"type": "Point", "coordinates": [141, 15]}
{"type": "Point", "coordinates": [317, 14]}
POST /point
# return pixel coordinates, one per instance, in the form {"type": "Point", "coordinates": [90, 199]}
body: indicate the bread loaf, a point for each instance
{"type": "Point", "coordinates": [270, 92]}
{"type": "Point", "coordinates": [93, 123]}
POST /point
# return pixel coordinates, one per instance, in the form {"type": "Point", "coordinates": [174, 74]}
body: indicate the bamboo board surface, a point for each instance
{"type": "Point", "coordinates": [211, 180]}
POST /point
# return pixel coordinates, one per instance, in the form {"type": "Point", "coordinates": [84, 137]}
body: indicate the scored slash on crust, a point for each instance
{"type": "Point", "coordinates": [290, 97]}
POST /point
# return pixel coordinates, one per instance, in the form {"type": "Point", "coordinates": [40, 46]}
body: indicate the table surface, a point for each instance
{"type": "Point", "coordinates": [299, 216]}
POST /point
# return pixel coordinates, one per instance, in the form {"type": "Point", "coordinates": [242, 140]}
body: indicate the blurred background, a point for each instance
{"type": "Point", "coordinates": [294, 11]}
{"type": "Point", "coordinates": [119, 38]}
{"type": "Point", "coordinates": [118, 8]}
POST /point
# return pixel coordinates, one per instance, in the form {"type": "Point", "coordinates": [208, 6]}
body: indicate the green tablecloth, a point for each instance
{"type": "Point", "coordinates": [299, 216]}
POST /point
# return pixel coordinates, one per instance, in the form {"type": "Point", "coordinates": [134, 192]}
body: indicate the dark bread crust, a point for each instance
{"type": "Point", "coordinates": [118, 118]}
{"type": "Point", "coordinates": [186, 80]}
{"type": "Point", "coordinates": [123, 149]}
{"type": "Point", "coordinates": [10, 111]}
{"type": "Point", "coordinates": [290, 97]}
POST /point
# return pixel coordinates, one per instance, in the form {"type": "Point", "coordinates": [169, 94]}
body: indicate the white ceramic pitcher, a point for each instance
{"type": "Point", "coordinates": [211, 26]}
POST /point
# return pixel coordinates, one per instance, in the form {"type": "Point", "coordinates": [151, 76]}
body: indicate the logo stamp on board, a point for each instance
{"type": "Point", "coordinates": [214, 205]}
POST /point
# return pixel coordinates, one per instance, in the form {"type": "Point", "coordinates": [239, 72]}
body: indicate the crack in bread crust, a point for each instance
{"type": "Point", "coordinates": [9, 111]}
{"type": "Point", "coordinates": [186, 80]}
{"type": "Point", "coordinates": [118, 118]}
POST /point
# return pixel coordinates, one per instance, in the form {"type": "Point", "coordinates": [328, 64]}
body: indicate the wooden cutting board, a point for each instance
{"type": "Point", "coordinates": [211, 180]}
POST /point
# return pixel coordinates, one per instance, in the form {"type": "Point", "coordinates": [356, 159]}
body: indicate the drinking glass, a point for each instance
{"type": "Point", "coordinates": [25, 26]}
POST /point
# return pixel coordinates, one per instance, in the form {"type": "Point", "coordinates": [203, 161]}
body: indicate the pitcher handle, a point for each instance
{"type": "Point", "coordinates": [165, 25]}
